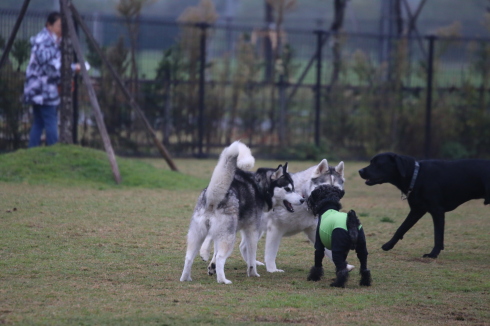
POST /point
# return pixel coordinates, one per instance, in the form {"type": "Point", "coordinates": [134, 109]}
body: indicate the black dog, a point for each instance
{"type": "Point", "coordinates": [339, 232]}
{"type": "Point", "coordinates": [433, 186]}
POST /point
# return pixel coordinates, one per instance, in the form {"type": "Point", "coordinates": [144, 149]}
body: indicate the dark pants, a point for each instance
{"type": "Point", "coordinates": [45, 118]}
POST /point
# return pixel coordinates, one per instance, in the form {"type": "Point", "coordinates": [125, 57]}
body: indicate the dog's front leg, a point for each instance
{"type": "Point", "coordinates": [410, 221]}
{"type": "Point", "coordinates": [438, 218]}
{"type": "Point", "coordinates": [272, 242]}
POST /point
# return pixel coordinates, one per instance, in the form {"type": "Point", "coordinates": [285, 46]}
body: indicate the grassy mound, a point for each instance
{"type": "Point", "coordinates": [75, 165]}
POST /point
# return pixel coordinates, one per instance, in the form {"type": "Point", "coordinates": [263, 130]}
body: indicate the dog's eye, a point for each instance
{"type": "Point", "coordinates": [287, 189]}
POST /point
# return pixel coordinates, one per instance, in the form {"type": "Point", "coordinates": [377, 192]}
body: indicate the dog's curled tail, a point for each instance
{"type": "Point", "coordinates": [245, 159]}
{"type": "Point", "coordinates": [224, 172]}
{"type": "Point", "coordinates": [353, 224]}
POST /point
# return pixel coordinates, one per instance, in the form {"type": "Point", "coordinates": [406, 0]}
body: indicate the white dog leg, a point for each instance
{"type": "Point", "coordinates": [206, 248]}
{"type": "Point", "coordinates": [249, 241]}
{"type": "Point", "coordinates": [212, 263]}
{"type": "Point", "coordinates": [224, 249]}
{"type": "Point", "coordinates": [194, 240]}
{"type": "Point", "coordinates": [272, 242]}
{"type": "Point", "coordinates": [243, 251]}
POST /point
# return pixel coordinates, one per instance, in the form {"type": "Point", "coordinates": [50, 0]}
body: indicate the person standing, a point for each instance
{"type": "Point", "coordinates": [43, 74]}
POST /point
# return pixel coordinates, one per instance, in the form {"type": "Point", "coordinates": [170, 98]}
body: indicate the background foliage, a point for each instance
{"type": "Point", "coordinates": [373, 106]}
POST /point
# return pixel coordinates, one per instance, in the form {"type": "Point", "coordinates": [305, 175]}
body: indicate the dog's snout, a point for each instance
{"type": "Point", "coordinates": [302, 200]}
{"type": "Point", "coordinates": [361, 172]}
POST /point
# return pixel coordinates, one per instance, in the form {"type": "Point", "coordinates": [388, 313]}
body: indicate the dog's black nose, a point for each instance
{"type": "Point", "coordinates": [361, 172]}
{"type": "Point", "coordinates": [301, 200]}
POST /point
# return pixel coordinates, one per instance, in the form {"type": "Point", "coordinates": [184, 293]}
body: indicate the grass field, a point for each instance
{"type": "Point", "coordinates": [78, 252]}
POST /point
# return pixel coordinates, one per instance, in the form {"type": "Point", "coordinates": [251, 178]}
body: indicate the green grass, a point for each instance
{"type": "Point", "coordinates": [87, 252]}
{"type": "Point", "coordinates": [75, 165]}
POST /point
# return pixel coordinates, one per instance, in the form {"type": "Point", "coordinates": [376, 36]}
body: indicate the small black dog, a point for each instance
{"type": "Point", "coordinates": [339, 232]}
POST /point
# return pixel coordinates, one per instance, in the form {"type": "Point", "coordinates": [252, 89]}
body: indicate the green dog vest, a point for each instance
{"type": "Point", "coordinates": [332, 220]}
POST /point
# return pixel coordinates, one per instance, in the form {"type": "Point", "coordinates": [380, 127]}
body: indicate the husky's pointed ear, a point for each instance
{"type": "Point", "coordinates": [340, 168]}
{"type": "Point", "coordinates": [285, 168]}
{"type": "Point", "coordinates": [278, 173]}
{"type": "Point", "coordinates": [321, 168]}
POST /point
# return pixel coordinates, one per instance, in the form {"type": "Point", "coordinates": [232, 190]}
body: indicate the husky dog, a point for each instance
{"type": "Point", "coordinates": [235, 200]}
{"type": "Point", "coordinates": [281, 223]}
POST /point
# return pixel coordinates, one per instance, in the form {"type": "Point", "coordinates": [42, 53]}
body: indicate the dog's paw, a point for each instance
{"type": "Point", "coordinates": [365, 278]}
{"type": "Point", "coordinates": [259, 263]}
{"type": "Point", "coordinates": [430, 256]}
{"type": "Point", "coordinates": [224, 281]}
{"type": "Point", "coordinates": [342, 277]}
{"type": "Point", "coordinates": [212, 269]}
{"type": "Point", "coordinates": [253, 273]}
{"type": "Point", "coordinates": [204, 257]}
{"type": "Point", "coordinates": [387, 246]}
{"type": "Point", "coordinates": [350, 267]}
{"type": "Point", "coordinates": [337, 284]}
{"type": "Point", "coordinates": [185, 279]}
{"type": "Point", "coordinates": [275, 271]}
{"type": "Point", "coordinates": [316, 274]}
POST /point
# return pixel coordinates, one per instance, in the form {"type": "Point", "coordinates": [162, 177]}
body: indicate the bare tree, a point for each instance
{"type": "Point", "coordinates": [276, 38]}
{"type": "Point", "coordinates": [335, 28]}
{"type": "Point", "coordinates": [131, 12]}
{"type": "Point", "coordinates": [66, 105]}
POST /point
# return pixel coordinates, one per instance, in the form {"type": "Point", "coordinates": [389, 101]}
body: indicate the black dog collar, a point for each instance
{"type": "Point", "coordinates": [412, 183]}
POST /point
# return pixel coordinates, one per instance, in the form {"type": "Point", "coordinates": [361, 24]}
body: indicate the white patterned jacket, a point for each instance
{"type": "Point", "coordinates": [43, 73]}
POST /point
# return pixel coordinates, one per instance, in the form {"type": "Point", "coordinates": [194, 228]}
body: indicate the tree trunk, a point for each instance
{"type": "Point", "coordinates": [339, 6]}
{"type": "Point", "coordinates": [66, 105]}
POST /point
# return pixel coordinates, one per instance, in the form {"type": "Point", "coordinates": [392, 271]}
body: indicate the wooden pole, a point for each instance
{"type": "Point", "coordinates": [163, 151]}
{"type": "Point", "coordinates": [66, 104]}
{"type": "Point", "coordinates": [428, 103]}
{"type": "Point", "coordinates": [11, 39]}
{"type": "Point", "coordinates": [91, 92]}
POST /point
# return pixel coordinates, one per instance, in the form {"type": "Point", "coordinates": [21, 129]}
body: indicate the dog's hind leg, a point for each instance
{"type": "Point", "coordinates": [243, 251]}
{"type": "Point", "coordinates": [487, 194]}
{"type": "Point", "coordinates": [206, 248]}
{"type": "Point", "coordinates": [250, 239]}
{"type": "Point", "coordinates": [438, 220]}
{"type": "Point", "coordinates": [212, 263]}
{"type": "Point", "coordinates": [195, 237]}
{"type": "Point", "coordinates": [224, 247]}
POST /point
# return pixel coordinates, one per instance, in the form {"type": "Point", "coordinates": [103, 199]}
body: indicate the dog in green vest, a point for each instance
{"type": "Point", "coordinates": [339, 232]}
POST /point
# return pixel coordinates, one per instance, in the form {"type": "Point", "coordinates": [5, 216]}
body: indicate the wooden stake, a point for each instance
{"type": "Point", "coordinates": [91, 92]}
{"type": "Point", "coordinates": [5, 53]}
{"type": "Point", "coordinates": [163, 151]}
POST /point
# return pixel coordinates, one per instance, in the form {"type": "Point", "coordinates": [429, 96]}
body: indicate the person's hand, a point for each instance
{"type": "Point", "coordinates": [75, 67]}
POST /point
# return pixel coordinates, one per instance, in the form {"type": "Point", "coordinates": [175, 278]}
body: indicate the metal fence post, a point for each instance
{"type": "Point", "coordinates": [428, 104]}
{"type": "Point", "coordinates": [202, 85]}
{"type": "Point", "coordinates": [319, 46]}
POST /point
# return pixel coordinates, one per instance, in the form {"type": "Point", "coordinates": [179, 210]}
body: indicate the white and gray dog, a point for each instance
{"type": "Point", "coordinates": [235, 200]}
{"type": "Point", "coordinates": [281, 223]}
